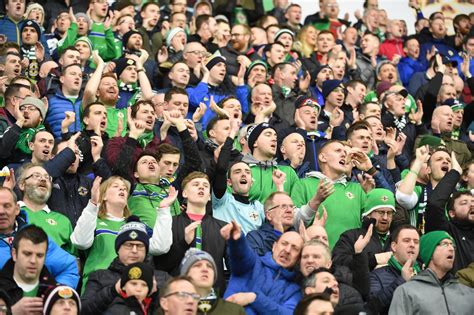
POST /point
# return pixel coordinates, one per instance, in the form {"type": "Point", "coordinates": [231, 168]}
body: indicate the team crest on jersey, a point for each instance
{"type": "Point", "coordinates": [51, 222]}
{"type": "Point", "coordinates": [133, 235]}
{"type": "Point", "coordinates": [349, 195]}
{"type": "Point", "coordinates": [254, 216]}
{"type": "Point", "coordinates": [82, 191]}
{"type": "Point", "coordinates": [134, 273]}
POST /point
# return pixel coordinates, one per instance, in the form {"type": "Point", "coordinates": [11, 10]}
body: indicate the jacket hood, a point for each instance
{"type": "Point", "coordinates": [250, 160]}
{"type": "Point", "coordinates": [428, 276]}
{"type": "Point", "coordinates": [269, 262]}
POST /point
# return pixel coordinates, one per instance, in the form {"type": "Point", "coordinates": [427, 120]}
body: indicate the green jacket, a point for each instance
{"type": "Point", "coordinates": [102, 40]}
{"type": "Point", "coordinates": [144, 200]}
{"type": "Point", "coordinates": [263, 184]}
{"type": "Point", "coordinates": [344, 206]}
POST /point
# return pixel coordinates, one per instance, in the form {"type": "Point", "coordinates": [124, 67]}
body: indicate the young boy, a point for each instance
{"type": "Point", "coordinates": [137, 287]}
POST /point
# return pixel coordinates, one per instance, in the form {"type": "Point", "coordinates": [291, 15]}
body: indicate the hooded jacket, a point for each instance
{"type": "Point", "coordinates": [262, 171]}
{"type": "Point", "coordinates": [276, 291]}
{"type": "Point", "coordinates": [426, 294]}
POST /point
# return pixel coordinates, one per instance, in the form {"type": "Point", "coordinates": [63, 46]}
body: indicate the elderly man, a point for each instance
{"type": "Point", "coordinates": [263, 284]}
{"type": "Point", "coordinates": [434, 290]}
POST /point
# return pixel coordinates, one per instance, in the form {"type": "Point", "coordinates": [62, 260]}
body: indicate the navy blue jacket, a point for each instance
{"type": "Point", "coordinates": [261, 240]}
{"type": "Point", "coordinates": [383, 282]}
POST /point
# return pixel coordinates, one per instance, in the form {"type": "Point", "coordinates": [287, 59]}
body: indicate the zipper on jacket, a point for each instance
{"type": "Point", "coordinates": [445, 300]}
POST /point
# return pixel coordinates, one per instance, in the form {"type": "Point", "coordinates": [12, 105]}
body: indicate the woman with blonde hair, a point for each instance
{"type": "Point", "coordinates": [104, 215]}
{"type": "Point", "coordinates": [306, 40]}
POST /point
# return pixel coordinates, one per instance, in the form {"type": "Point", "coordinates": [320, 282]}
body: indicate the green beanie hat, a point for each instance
{"type": "Point", "coordinates": [86, 40]}
{"type": "Point", "coordinates": [432, 141]}
{"type": "Point", "coordinates": [378, 198]}
{"type": "Point", "coordinates": [428, 244]}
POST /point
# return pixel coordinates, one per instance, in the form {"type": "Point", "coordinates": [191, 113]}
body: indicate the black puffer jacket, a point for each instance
{"type": "Point", "coordinates": [100, 290]}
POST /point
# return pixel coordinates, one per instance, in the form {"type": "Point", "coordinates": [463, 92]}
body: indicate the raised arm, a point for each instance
{"type": "Point", "coordinates": [83, 235]}
{"type": "Point", "coordinates": [94, 81]}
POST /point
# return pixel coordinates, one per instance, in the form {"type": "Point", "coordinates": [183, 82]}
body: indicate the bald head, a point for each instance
{"type": "Point", "coordinates": [317, 232]}
{"type": "Point", "coordinates": [442, 120]}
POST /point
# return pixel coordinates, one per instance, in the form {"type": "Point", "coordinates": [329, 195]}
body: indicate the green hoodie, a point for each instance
{"type": "Point", "coordinates": [262, 172]}
{"type": "Point", "coordinates": [344, 206]}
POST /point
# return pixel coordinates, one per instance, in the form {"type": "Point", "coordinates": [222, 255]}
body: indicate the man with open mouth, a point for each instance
{"type": "Point", "coordinates": [460, 208]}
{"type": "Point", "coordinates": [434, 290]}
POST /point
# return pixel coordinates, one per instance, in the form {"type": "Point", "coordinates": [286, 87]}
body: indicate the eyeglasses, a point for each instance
{"type": "Point", "coordinates": [283, 207]}
{"type": "Point", "coordinates": [130, 246]}
{"type": "Point", "coordinates": [447, 244]}
{"type": "Point", "coordinates": [197, 52]}
{"type": "Point", "coordinates": [182, 295]}
{"type": "Point", "coordinates": [29, 108]}
{"type": "Point", "coordinates": [382, 213]}
{"type": "Point", "coordinates": [38, 176]}
{"type": "Point", "coordinates": [21, 98]}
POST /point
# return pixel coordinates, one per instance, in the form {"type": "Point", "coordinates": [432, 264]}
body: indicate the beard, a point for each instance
{"type": "Point", "coordinates": [36, 195]}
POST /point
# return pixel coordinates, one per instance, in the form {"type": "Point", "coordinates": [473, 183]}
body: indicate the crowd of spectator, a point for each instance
{"type": "Point", "coordinates": [227, 157]}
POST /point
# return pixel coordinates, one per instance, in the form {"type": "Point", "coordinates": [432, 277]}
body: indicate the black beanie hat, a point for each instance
{"type": "Point", "coordinates": [121, 64]}
{"type": "Point", "coordinates": [138, 271]}
{"type": "Point", "coordinates": [33, 24]}
{"type": "Point", "coordinates": [254, 132]}
{"type": "Point", "coordinates": [127, 35]}
{"type": "Point", "coordinates": [133, 230]}
{"type": "Point", "coordinates": [60, 292]}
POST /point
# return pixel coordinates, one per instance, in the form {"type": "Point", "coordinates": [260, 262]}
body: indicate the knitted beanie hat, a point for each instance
{"type": "Point", "coordinates": [378, 198]}
{"type": "Point", "coordinates": [121, 64]}
{"type": "Point", "coordinates": [138, 271]}
{"type": "Point", "coordinates": [172, 33]}
{"type": "Point", "coordinates": [331, 85]}
{"type": "Point", "coordinates": [60, 292]}
{"type": "Point", "coordinates": [33, 24]}
{"type": "Point", "coordinates": [254, 132]}
{"type": "Point", "coordinates": [127, 36]}
{"type": "Point", "coordinates": [428, 243]}
{"type": "Point", "coordinates": [30, 100]}
{"type": "Point", "coordinates": [194, 255]}
{"type": "Point", "coordinates": [133, 230]}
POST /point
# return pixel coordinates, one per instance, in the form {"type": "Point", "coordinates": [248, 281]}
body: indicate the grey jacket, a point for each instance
{"type": "Point", "coordinates": [425, 294]}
